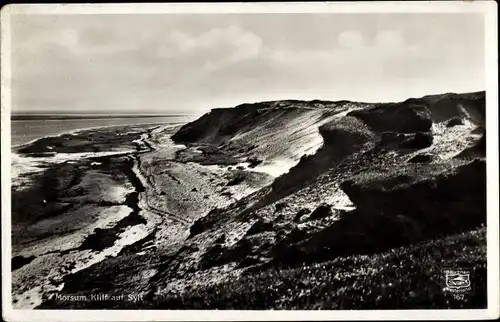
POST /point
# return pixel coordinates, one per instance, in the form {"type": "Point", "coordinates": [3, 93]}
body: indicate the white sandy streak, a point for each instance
{"type": "Point", "coordinates": [23, 165]}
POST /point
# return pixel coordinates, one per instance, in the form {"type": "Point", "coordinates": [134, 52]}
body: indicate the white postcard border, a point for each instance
{"type": "Point", "coordinates": [488, 8]}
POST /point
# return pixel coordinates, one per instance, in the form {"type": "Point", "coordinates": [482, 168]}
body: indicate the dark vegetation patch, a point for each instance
{"type": "Point", "coordinates": [280, 206]}
{"type": "Point", "coordinates": [58, 190]}
{"type": "Point", "coordinates": [204, 223]}
{"type": "Point", "coordinates": [388, 214]}
{"type": "Point", "coordinates": [324, 210]}
{"type": "Point", "coordinates": [20, 261]}
{"type": "Point", "coordinates": [253, 162]}
{"type": "Point", "coordinates": [454, 121]}
{"type": "Point", "coordinates": [422, 158]}
{"type": "Point", "coordinates": [259, 226]}
{"type": "Point", "coordinates": [43, 199]}
{"type": "Point", "coordinates": [396, 117]}
{"type": "Point", "coordinates": [47, 198]}
{"type": "Point", "coordinates": [412, 141]}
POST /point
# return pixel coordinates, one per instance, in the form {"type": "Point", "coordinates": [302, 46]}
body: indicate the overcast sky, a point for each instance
{"type": "Point", "coordinates": [191, 63]}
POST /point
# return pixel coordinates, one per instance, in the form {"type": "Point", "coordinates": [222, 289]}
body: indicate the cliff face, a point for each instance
{"type": "Point", "coordinates": [281, 131]}
{"type": "Point", "coordinates": [387, 174]}
{"type": "Point", "coordinates": [223, 124]}
{"type": "Point", "coordinates": [315, 136]}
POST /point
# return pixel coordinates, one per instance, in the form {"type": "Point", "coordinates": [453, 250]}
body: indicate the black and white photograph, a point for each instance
{"type": "Point", "coordinates": [280, 157]}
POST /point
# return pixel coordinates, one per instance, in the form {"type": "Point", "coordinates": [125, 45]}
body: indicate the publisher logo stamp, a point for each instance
{"type": "Point", "coordinates": [457, 282]}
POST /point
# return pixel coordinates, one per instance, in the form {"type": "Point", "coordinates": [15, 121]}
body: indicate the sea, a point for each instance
{"type": "Point", "coordinates": [24, 131]}
{"type": "Point", "coordinates": [27, 130]}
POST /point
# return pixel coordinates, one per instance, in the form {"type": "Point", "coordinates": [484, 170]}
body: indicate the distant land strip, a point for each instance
{"type": "Point", "coordinates": [18, 117]}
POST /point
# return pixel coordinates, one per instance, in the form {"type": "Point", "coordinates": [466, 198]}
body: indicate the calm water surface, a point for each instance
{"type": "Point", "coordinates": [24, 131]}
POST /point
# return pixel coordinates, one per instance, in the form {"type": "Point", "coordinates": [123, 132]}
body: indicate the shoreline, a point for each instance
{"type": "Point", "coordinates": [79, 130]}
{"type": "Point", "coordinates": [112, 239]}
{"type": "Point", "coordinates": [90, 116]}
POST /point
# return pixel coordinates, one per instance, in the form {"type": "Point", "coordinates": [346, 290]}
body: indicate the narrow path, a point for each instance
{"type": "Point", "coordinates": [147, 182]}
{"type": "Point", "coordinates": [159, 212]}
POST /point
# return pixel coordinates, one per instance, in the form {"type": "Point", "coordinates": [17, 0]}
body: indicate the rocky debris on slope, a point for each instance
{"type": "Point", "coordinates": [221, 239]}
{"type": "Point", "coordinates": [249, 261]}
{"type": "Point", "coordinates": [406, 277]}
{"type": "Point", "coordinates": [402, 278]}
{"type": "Point", "coordinates": [285, 240]}
{"type": "Point", "coordinates": [211, 257]}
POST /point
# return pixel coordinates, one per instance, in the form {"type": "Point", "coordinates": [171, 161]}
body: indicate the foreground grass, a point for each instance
{"type": "Point", "coordinates": [403, 278]}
